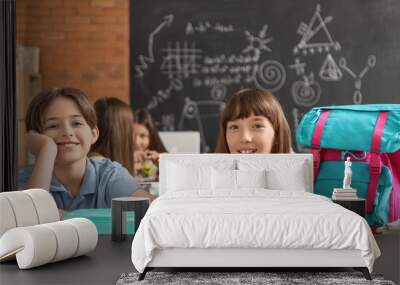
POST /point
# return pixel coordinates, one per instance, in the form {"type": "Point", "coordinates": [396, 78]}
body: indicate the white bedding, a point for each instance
{"type": "Point", "coordinates": [252, 218]}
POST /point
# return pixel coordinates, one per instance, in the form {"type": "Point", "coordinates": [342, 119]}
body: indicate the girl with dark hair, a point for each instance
{"type": "Point", "coordinates": [253, 122]}
{"type": "Point", "coordinates": [147, 142]}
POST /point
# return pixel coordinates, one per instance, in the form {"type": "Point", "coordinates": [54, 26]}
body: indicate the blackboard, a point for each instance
{"type": "Point", "coordinates": [188, 56]}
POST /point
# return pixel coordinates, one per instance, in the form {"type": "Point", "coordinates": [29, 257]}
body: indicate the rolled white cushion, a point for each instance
{"type": "Point", "coordinates": [66, 238]}
{"type": "Point", "coordinates": [37, 245]}
{"type": "Point", "coordinates": [23, 208]}
{"type": "Point", "coordinates": [7, 218]}
{"type": "Point", "coordinates": [33, 246]}
{"type": "Point", "coordinates": [46, 207]}
{"type": "Point", "coordinates": [87, 235]}
{"type": "Point", "coordinates": [31, 207]}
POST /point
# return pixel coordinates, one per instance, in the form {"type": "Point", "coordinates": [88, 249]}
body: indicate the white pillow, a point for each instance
{"type": "Point", "coordinates": [188, 177]}
{"type": "Point", "coordinates": [223, 179]}
{"type": "Point", "coordinates": [281, 174]}
{"type": "Point", "coordinates": [251, 178]}
{"type": "Point", "coordinates": [227, 179]}
{"type": "Point", "coordinates": [293, 179]}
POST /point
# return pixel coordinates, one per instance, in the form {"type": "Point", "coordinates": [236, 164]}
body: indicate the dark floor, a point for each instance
{"type": "Point", "coordinates": [389, 262]}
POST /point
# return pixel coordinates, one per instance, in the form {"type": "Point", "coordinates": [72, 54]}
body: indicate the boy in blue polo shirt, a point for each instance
{"type": "Point", "coordinates": [62, 126]}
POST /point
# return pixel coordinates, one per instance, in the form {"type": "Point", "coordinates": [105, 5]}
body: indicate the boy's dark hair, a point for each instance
{"type": "Point", "coordinates": [34, 117]}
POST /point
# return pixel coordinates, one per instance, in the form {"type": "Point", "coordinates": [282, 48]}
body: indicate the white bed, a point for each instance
{"type": "Point", "coordinates": [247, 211]}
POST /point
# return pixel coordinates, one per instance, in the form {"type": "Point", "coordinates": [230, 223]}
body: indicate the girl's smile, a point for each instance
{"type": "Point", "coordinates": [247, 150]}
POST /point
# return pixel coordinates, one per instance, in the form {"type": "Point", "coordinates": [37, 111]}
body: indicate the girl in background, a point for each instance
{"type": "Point", "coordinates": [62, 126]}
{"type": "Point", "coordinates": [114, 120]}
{"type": "Point", "coordinates": [253, 122]}
{"type": "Point", "coordinates": [147, 142]}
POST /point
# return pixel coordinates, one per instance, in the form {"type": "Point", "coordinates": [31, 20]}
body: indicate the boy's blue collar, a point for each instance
{"type": "Point", "coordinates": [89, 180]}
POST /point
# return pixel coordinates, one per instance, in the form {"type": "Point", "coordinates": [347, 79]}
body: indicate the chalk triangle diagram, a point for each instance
{"type": "Point", "coordinates": [315, 35]}
{"type": "Point", "coordinates": [329, 70]}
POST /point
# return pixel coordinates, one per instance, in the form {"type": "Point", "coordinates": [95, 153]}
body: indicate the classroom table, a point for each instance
{"type": "Point", "coordinates": [104, 265]}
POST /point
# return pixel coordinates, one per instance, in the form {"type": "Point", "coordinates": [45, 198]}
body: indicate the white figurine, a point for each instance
{"type": "Point", "coordinates": [347, 174]}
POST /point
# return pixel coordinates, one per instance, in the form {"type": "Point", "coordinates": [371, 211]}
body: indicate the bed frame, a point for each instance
{"type": "Point", "coordinates": [246, 258]}
{"type": "Point", "coordinates": [242, 259]}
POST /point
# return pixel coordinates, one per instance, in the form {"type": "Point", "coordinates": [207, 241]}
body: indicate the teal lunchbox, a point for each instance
{"type": "Point", "coordinates": [101, 217]}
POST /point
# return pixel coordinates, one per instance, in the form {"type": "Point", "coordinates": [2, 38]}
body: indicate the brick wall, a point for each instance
{"type": "Point", "coordinates": [83, 43]}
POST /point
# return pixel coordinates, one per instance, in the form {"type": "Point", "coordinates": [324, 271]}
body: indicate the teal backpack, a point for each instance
{"type": "Point", "coordinates": [370, 136]}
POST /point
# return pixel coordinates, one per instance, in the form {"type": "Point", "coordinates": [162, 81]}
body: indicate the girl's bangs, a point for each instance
{"type": "Point", "coordinates": [245, 108]}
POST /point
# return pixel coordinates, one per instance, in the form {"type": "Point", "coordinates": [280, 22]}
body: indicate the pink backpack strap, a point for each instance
{"type": "Point", "coordinates": [316, 140]}
{"type": "Point", "coordinates": [375, 160]}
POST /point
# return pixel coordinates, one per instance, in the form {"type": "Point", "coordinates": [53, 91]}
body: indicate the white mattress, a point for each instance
{"type": "Point", "coordinates": [251, 219]}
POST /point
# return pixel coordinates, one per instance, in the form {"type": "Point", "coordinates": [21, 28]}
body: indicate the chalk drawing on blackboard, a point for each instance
{"type": "Point", "coordinates": [167, 122]}
{"type": "Point", "coordinates": [236, 69]}
{"type": "Point", "coordinates": [191, 111]}
{"type": "Point", "coordinates": [218, 92]}
{"type": "Point", "coordinates": [315, 35]}
{"type": "Point", "coordinates": [258, 43]}
{"type": "Point", "coordinates": [329, 70]}
{"type": "Point", "coordinates": [163, 95]}
{"type": "Point", "coordinates": [306, 92]}
{"type": "Point", "coordinates": [203, 27]}
{"type": "Point", "coordinates": [180, 61]}
{"type": "Point", "coordinates": [299, 67]}
{"type": "Point", "coordinates": [270, 75]}
{"type": "Point", "coordinates": [357, 95]}
{"type": "Point", "coordinates": [144, 61]}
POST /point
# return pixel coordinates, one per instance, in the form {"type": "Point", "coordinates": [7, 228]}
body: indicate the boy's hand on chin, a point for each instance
{"type": "Point", "coordinates": [35, 142]}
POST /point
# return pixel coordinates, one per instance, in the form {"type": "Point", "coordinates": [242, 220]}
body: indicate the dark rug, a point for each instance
{"type": "Point", "coordinates": [228, 278]}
